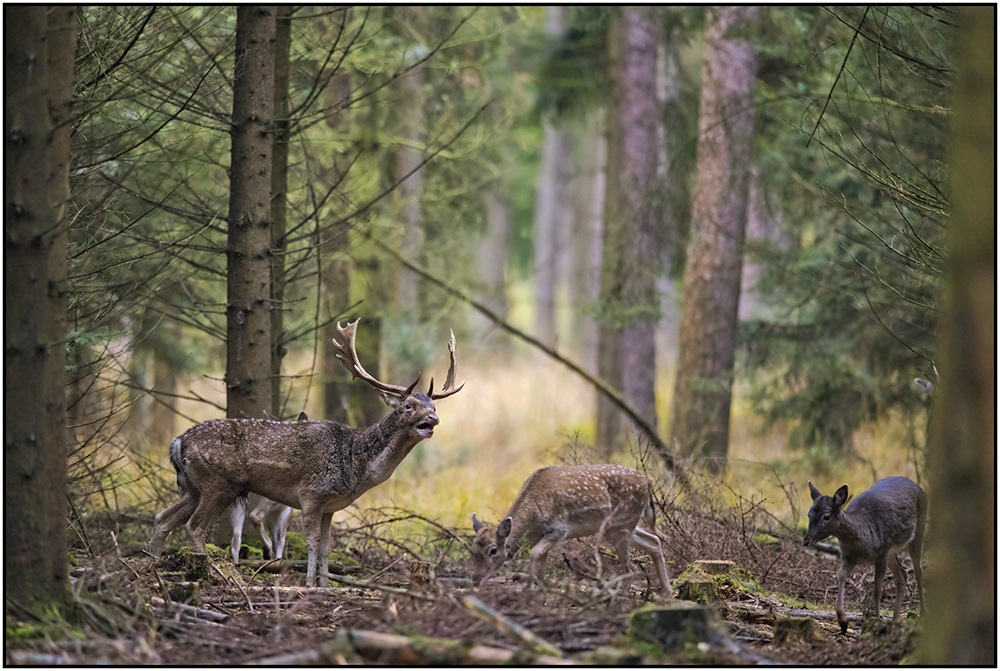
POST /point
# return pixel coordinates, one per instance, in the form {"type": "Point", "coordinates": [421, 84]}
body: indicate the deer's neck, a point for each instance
{"type": "Point", "coordinates": [855, 533]}
{"type": "Point", "coordinates": [522, 522]}
{"type": "Point", "coordinates": [383, 445]}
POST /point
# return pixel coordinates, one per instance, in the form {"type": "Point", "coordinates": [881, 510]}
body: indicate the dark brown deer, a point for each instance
{"type": "Point", "coordinates": [879, 523]}
{"type": "Point", "coordinates": [319, 467]}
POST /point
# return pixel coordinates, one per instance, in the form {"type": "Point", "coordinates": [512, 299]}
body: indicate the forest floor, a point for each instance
{"type": "Point", "coordinates": [776, 604]}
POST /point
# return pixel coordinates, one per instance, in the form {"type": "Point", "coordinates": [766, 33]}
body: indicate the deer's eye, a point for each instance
{"type": "Point", "coordinates": [493, 551]}
{"type": "Point", "coordinates": [826, 517]}
{"type": "Point", "coordinates": [408, 407]}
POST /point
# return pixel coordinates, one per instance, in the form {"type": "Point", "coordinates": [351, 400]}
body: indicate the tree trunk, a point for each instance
{"type": "Point", "coordinates": [703, 389]}
{"type": "Point", "coordinates": [38, 88]}
{"type": "Point", "coordinates": [335, 274]}
{"type": "Point", "coordinates": [407, 313]}
{"type": "Point", "coordinates": [962, 444]}
{"type": "Point", "coordinates": [492, 259]}
{"type": "Point", "coordinates": [279, 201]}
{"type": "Point", "coordinates": [551, 209]}
{"type": "Point", "coordinates": [630, 257]}
{"type": "Point", "coordinates": [584, 272]}
{"type": "Point", "coordinates": [248, 335]}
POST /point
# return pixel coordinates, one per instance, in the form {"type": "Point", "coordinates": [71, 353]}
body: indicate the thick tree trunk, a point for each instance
{"type": "Point", "coordinates": [962, 444]}
{"type": "Point", "coordinates": [703, 389]}
{"type": "Point", "coordinates": [630, 258]}
{"type": "Point", "coordinates": [38, 79]}
{"type": "Point", "coordinates": [248, 335]}
{"type": "Point", "coordinates": [279, 201]}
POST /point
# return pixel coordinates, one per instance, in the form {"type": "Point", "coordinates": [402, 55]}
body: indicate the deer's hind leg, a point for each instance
{"type": "Point", "coordinates": [650, 542]}
{"type": "Point", "coordinates": [215, 499]}
{"type": "Point", "coordinates": [899, 577]}
{"type": "Point", "coordinates": [169, 519]}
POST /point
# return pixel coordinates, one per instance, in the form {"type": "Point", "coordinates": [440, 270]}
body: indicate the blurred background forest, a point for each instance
{"type": "Point", "coordinates": [734, 218]}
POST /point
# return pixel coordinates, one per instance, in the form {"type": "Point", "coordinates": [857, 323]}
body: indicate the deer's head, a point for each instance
{"type": "Point", "coordinates": [824, 516]}
{"type": "Point", "coordinates": [416, 410]}
{"type": "Point", "coordinates": [489, 549]}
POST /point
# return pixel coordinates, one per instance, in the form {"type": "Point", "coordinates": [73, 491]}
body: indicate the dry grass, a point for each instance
{"type": "Point", "coordinates": [518, 415]}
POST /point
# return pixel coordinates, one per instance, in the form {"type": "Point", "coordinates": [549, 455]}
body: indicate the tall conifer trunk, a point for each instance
{"type": "Point", "coordinates": [630, 258]}
{"type": "Point", "coordinates": [248, 310]}
{"type": "Point", "coordinates": [703, 389]}
{"type": "Point", "coordinates": [39, 45]}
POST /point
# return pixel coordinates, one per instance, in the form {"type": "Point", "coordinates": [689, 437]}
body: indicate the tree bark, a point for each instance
{"type": "Point", "coordinates": [962, 443]}
{"type": "Point", "coordinates": [407, 315]}
{"type": "Point", "coordinates": [39, 45]}
{"type": "Point", "coordinates": [551, 209]}
{"type": "Point", "coordinates": [584, 271]}
{"type": "Point", "coordinates": [248, 336]}
{"type": "Point", "coordinates": [703, 389]}
{"type": "Point", "coordinates": [630, 257]}
{"type": "Point", "coordinates": [279, 201]}
{"type": "Point", "coordinates": [492, 257]}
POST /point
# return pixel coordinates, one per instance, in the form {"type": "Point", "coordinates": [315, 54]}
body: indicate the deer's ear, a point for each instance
{"type": "Point", "coordinates": [840, 498]}
{"type": "Point", "coordinates": [391, 400]}
{"type": "Point", "coordinates": [476, 524]}
{"type": "Point", "coordinates": [813, 491]}
{"type": "Point", "coordinates": [503, 529]}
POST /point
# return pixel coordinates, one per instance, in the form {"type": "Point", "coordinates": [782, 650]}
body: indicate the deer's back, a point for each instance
{"type": "Point", "coordinates": [269, 457]}
{"type": "Point", "coordinates": [580, 497]}
{"type": "Point", "coordinates": [885, 516]}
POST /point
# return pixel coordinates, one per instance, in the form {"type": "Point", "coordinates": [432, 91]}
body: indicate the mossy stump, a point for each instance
{"type": "Point", "coordinates": [715, 566]}
{"type": "Point", "coordinates": [793, 629]}
{"type": "Point", "coordinates": [698, 589]}
{"type": "Point", "coordinates": [191, 565]}
{"type": "Point", "coordinates": [673, 627]}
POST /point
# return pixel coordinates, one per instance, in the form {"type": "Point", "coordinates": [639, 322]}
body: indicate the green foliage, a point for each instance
{"type": "Point", "coordinates": [858, 168]}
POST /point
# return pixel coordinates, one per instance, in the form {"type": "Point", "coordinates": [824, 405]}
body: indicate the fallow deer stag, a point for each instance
{"type": "Point", "coordinates": [317, 466]}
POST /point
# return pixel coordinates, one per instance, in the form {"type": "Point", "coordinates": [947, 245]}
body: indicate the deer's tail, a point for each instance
{"type": "Point", "coordinates": [177, 459]}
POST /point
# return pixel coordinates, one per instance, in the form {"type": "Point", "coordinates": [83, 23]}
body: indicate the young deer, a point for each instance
{"type": "Point", "coordinates": [878, 524]}
{"type": "Point", "coordinates": [560, 502]}
{"type": "Point", "coordinates": [319, 467]}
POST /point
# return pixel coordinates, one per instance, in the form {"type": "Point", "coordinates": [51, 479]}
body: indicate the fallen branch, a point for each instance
{"type": "Point", "coordinates": [394, 649]}
{"type": "Point", "coordinates": [507, 626]}
{"type": "Point", "coordinates": [203, 613]}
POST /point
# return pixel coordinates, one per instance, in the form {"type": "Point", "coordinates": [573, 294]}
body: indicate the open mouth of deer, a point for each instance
{"type": "Point", "coordinates": [426, 428]}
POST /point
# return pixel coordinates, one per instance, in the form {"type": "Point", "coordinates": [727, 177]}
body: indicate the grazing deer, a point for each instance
{"type": "Point", "coordinates": [878, 524]}
{"type": "Point", "coordinates": [262, 511]}
{"type": "Point", "coordinates": [317, 466]}
{"type": "Point", "coordinates": [560, 502]}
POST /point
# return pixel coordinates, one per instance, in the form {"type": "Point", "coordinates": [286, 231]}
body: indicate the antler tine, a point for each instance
{"type": "Point", "coordinates": [349, 357]}
{"type": "Point", "coordinates": [449, 381]}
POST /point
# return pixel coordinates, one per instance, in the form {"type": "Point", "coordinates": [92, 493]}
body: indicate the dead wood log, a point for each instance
{"type": "Point", "coordinates": [363, 645]}
{"type": "Point", "coordinates": [202, 613]}
{"type": "Point", "coordinates": [501, 623]}
{"type": "Point", "coordinates": [297, 564]}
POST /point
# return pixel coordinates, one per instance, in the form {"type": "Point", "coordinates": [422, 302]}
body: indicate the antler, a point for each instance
{"type": "Point", "coordinates": [449, 381]}
{"type": "Point", "coordinates": [349, 357]}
